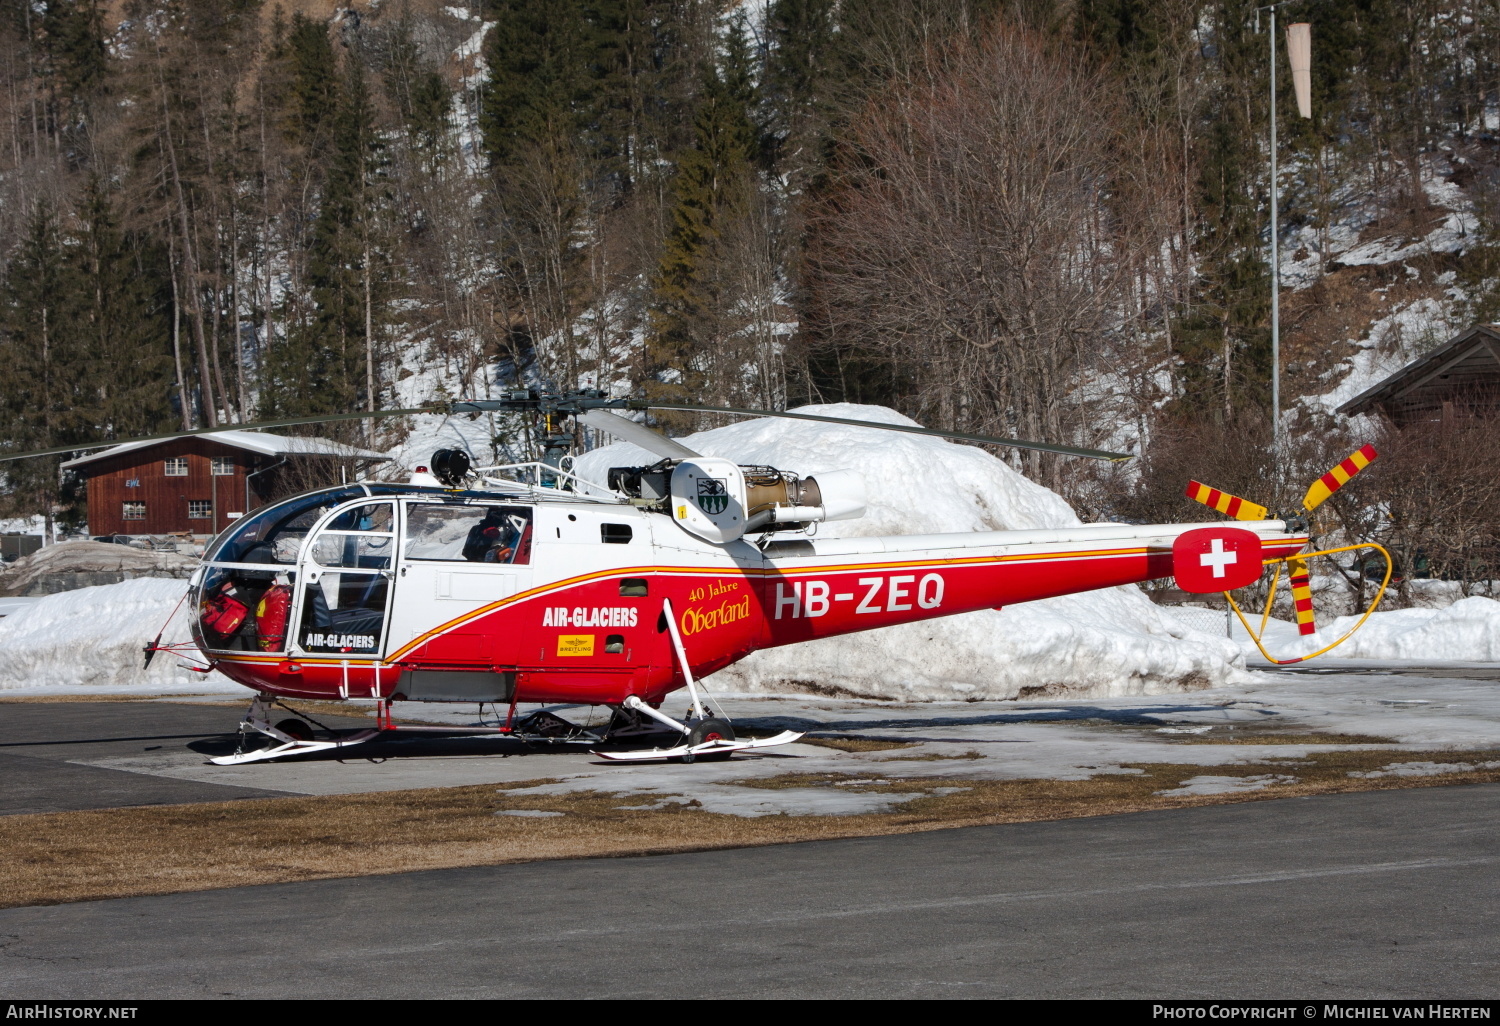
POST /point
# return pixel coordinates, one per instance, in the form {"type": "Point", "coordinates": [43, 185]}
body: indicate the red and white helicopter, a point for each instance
{"type": "Point", "coordinates": [526, 584]}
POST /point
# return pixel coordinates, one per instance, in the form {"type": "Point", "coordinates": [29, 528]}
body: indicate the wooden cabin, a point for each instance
{"type": "Point", "coordinates": [199, 485]}
{"type": "Point", "coordinates": [1460, 378]}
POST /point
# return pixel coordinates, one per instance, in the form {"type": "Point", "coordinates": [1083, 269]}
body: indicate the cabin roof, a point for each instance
{"type": "Point", "coordinates": [261, 442]}
{"type": "Point", "coordinates": [1466, 365]}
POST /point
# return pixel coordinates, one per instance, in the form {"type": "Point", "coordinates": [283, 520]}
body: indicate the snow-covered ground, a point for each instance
{"type": "Point", "coordinates": [1467, 630]}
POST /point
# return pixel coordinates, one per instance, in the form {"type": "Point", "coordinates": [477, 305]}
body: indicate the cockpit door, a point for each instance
{"type": "Point", "coordinates": [344, 583]}
{"type": "Point", "coordinates": [457, 560]}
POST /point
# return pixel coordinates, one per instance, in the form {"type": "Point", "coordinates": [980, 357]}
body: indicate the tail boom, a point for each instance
{"type": "Point", "coordinates": [857, 584]}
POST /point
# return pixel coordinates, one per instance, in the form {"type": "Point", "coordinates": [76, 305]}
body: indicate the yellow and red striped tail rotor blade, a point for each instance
{"type": "Point", "coordinates": [1336, 478]}
{"type": "Point", "coordinates": [1302, 599]}
{"type": "Point", "coordinates": [1229, 505]}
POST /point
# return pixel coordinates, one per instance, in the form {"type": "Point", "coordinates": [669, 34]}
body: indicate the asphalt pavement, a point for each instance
{"type": "Point", "coordinates": [1374, 894]}
{"type": "Point", "coordinates": [42, 743]}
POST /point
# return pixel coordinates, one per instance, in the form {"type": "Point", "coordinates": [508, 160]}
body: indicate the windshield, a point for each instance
{"type": "Point", "coordinates": [275, 534]}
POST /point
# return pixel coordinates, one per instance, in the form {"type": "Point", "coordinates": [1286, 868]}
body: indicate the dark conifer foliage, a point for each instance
{"type": "Point", "coordinates": [218, 210]}
{"type": "Point", "coordinates": [541, 70]}
{"type": "Point", "coordinates": [121, 304]}
{"type": "Point", "coordinates": [711, 196]}
{"type": "Point", "coordinates": [314, 88]}
{"type": "Point", "coordinates": [45, 399]}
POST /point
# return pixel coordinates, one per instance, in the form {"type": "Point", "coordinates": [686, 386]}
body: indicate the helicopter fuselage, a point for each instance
{"type": "Point", "coordinates": [424, 594]}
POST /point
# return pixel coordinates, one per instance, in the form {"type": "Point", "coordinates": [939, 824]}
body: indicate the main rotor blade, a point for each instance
{"type": "Point", "coordinates": [253, 426]}
{"type": "Point", "coordinates": [1062, 450]}
{"type": "Point", "coordinates": [639, 434]}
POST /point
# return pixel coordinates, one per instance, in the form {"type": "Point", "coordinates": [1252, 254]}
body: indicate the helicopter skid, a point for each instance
{"type": "Point", "coordinates": [688, 753]}
{"type": "Point", "coordinates": [291, 746]}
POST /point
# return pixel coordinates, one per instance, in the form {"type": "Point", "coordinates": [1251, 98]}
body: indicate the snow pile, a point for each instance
{"type": "Point", "coordinates": [1468, 631]}
{"type": "Point", "coordinates": [92, 557]}
{"type": "Point", "coordinates": [1112, 642]}
{"type": "Point", "coordinates": [93, 637]}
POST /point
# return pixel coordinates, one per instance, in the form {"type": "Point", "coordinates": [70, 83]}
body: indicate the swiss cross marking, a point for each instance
{"type": "Point", "coordinates": [1218, 558]}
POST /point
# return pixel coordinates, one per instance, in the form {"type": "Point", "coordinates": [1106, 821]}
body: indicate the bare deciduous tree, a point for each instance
{"type": "Point", "coordinates": [977, 237]}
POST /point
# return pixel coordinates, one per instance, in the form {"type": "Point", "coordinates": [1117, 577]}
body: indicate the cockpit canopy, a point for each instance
{"type": "Point", "coordinates": [275, 534]}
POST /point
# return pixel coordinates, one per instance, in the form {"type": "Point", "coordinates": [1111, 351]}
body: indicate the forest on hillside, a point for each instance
{"type": "Point", "coordinates": [1032, 218]}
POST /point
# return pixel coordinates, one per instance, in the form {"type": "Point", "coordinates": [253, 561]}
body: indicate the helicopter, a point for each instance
{"type": "Point", "coordinates": [524, 583]}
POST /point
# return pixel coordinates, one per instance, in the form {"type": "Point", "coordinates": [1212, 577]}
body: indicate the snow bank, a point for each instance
{"type": "Point", "coordinates": [1112, 642]}
{"type": "Point", "coordinates": [1468, 631]}
{"type": "Point", "coordinates": [93, 637]}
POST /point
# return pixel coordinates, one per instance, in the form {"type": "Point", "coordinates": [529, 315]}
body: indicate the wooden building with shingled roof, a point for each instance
{"type": "Point", "coordinates": [1460, 378]}
{"type": "Point", "coordinates": [199, 484]}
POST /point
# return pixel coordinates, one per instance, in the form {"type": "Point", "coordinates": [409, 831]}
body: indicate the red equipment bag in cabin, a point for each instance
{"type": "Point", "coordinates": [271, 617]}
{"type": "Point", "coordinates": [223, 613]}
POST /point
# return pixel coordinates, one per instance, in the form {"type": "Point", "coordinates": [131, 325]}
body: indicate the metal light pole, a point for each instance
{"type": "Point", "coordinates": [1304, 110]}
{"type": "Point", "coordinates": [1275, 269]}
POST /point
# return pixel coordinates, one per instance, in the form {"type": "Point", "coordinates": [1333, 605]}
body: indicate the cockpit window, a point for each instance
{"type": "Point", "coordinates": [375, 516]}
{"type": "Point", "coordinates": [358, 538]}
{"type": "Point", "coordinates": [476, 534]}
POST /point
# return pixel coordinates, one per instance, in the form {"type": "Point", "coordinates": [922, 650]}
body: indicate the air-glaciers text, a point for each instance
{"type": "Point", "coordinates": [584, 616]}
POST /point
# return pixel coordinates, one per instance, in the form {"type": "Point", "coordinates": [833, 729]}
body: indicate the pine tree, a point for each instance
{"type": "Point", "coordinates": [329, 363]}
{"type": "Point", "coordinates": [538, 54]}
{"type": "Point", "coordinates": [1222, 339]}
{"type": "Point", "coordinates": [314, 84]}
{"type": "Point", "coordinates": [43, 404]}
{"type": "Point", "coordinates": [122, 321]}
{"type": "Point", "coordinates": [74, 31]}
{"type": "Point", "coordinates": [711, 191]}
{"type": "Point", "coordinates": [797, 76]}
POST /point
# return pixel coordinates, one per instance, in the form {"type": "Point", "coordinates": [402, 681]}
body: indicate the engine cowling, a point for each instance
{"type": "Point", "coordinates": [708, 499]}
{"type": "Point", "coordinates": [720, 501]}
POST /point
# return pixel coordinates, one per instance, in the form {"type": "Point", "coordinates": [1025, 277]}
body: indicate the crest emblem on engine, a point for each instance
{"type": "Point", "coordinates": [713, 495]}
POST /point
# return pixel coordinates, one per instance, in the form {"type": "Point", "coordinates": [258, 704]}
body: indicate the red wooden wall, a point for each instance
{"type": "Point", "coordinates": [166, 498]}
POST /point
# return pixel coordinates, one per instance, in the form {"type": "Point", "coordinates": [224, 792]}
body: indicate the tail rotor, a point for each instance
{"type": "Point", "coordinates": [1296, 566]}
